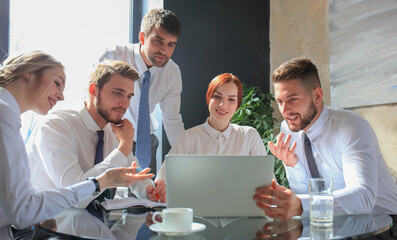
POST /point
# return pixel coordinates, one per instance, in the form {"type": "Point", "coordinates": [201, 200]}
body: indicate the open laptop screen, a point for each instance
{"type": "Point", "coordinates": [217, 185]}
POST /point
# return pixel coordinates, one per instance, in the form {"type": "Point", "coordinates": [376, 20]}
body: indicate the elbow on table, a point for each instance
{"type": "Point", "coordinates": [20, 222]}
{"type": "Point", "coordinates": [21, 217]}
{"type": "Point", "coordinates": [360, 209]}
{"type": "Point", "coordinates": [363, 205]}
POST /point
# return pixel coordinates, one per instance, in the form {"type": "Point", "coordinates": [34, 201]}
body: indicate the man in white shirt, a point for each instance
{"type": "Point", "coordinates": [63, 149]}
{"type": "Point", "coordinates": [344, 148]}
{"type": "Point", "coordinates": [160, 31]}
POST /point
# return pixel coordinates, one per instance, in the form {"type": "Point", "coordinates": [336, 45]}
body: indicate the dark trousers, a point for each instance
{"type": "Point", "coordinates": [155, 144]}
{"type": "Point", "coordinates": [393, 228]}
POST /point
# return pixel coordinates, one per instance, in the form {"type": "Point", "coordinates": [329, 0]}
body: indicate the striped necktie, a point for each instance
{"type": "Point", "coordinates": [143, 143]}
{"type": "Point", "coordinates": [144, 232]}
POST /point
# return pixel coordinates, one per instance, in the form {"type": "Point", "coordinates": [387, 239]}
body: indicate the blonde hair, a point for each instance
{"type": "Point", "coordinates": [101, 75]}
{"type": "Point", "coordinates": [32, 62]}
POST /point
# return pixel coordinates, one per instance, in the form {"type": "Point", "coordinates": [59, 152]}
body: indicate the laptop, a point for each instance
{"type": "Point", "coordinates": [217, 185]}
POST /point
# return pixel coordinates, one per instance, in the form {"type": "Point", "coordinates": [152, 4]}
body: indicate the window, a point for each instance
{"type": "Point", "coordinates": [73, 31]}
{"type": "Point", "coordinates": [76, 33]}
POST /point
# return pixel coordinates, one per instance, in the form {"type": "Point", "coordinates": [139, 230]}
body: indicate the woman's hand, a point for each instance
{"type": "Point", "coordinates": [158, 191]}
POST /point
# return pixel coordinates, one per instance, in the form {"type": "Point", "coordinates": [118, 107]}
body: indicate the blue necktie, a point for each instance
{"type": "Point", "coordinates": [99, 148]}
{"type": "Point", "coordinates": [98, 159]}
{"type": "Point", "coordinates": [144, 233]}
{"type": "Point", "coordinates": [310, 158]}
{"type": "Point", "coordinates": [143, 142]}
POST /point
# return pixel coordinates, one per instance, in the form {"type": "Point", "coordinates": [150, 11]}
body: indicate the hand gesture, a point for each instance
{"type": "Point", "coordinates": [282, 151]}
{"type": "Point", "coordinates": [124, 132]}
{"type": "Point", "coordinates": [278, 202]}
{"type": "Point", "coordinates": [159, 190]}
{"type": "Point", "coordinates": [123, 176]}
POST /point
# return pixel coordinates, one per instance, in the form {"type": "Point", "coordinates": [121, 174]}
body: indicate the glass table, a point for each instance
{"type": "Point", "coordinates": [130, 223]}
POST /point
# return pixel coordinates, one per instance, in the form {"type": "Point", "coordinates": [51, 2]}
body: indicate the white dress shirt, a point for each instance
{"type": "Point", "coordinates": [21, 203]}
{"type": "Point", "coordinates": [63, 151]}
{"type": "Point", "coordinates": [165, 88]}
{"type": "Point", "coordinates": [204, 139]}
{"type": "Point", "coordinates": [345, 149]}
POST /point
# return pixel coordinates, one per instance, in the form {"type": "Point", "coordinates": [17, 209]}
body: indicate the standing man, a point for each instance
{"type": "Point", "coordinates": [73, 145]}
{"type": "Point", "coordinates": [328, 143]}
{"type": "Point", "coordinates": [160, 82]}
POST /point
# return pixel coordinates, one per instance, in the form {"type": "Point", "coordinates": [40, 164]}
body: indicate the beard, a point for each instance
{"type": "Point", "coordinates": [306, 119]}
{"type": "Point", "coordinates": [105, 113]}
{"type": "Point", "coordinates": [157, 63]}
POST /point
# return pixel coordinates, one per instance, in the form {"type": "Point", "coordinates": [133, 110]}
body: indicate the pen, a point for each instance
{"type": "Point", "coordinates": [157, 195]}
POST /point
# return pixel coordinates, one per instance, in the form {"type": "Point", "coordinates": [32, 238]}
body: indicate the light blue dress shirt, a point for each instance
{"type": "Point", "coordinates": [345, 149]}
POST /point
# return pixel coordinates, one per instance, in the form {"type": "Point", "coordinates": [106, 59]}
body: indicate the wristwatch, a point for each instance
{"type": "Point", "coordinates": [97, 190]}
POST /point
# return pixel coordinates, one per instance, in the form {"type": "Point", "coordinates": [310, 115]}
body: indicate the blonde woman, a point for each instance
{"type": "Point", "coordinates": [35, 81]}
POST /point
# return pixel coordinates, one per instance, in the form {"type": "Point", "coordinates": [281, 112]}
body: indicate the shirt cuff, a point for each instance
{"type": "Point", "coordinates": [84, 191]}
{"type": "Point", "coordinates": [139, 188]}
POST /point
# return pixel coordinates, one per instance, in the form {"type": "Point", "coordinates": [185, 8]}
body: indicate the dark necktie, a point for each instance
{"type": "Point", "coordinates": [99, 148]}
{"type": "Point", "coordinates": [310, 159]}
{"type": "Point", "coordinates": [98, 159]}
{"type": "Point", "coordinates": [143, 141]}
{"type": "Point", "coordinates": [144, 233]}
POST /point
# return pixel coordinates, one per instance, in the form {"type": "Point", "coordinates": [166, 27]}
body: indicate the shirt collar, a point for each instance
{"type": "Point", "coordinates": [89, 122]}
{"type": "Point", "coordinates": [215, 133]}
{"type": "Point", "coordinates": [6, 96]}
{"type": "Point", "coordinates": [318, 126]}
{"type": "Point", "coordinates": [140, 63]}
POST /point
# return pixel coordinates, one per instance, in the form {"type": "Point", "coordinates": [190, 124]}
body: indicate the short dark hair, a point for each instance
{"type": "Point", "coordinates": [298, 68]}
{"type": "Point", "coordinates": [161, 18]}
{"type": "Point", "coordinates": [101, 75]}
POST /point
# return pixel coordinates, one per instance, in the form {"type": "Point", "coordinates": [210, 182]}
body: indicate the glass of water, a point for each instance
{"type": "Point", "coordinates": [321, 201]}
{"type": "Point", "coordinates": [122, 192]}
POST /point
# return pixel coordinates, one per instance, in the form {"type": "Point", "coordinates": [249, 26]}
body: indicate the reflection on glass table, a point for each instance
{"type": "Point", "coordinates": [346, 226]}
{"type": "Point", "coordinates": [120, 224]}
{"type": "Point", "coordinates": [125, 224]}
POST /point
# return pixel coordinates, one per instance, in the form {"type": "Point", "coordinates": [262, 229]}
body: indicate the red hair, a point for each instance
{"type": "Point", "coordinates": [222, 79]}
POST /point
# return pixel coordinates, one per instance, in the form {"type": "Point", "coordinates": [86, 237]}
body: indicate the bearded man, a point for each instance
{"type": "Point", "coordinates": [319, 141]}
{"type": "Point", "coordinates": [65, 149]}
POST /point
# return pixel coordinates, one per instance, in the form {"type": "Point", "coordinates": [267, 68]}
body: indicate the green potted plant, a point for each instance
{"type": "Point", "coordinates": [256, 111]}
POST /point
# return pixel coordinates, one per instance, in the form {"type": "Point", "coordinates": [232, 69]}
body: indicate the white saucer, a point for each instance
{"type": "Point", "coordinates": [196, 227]}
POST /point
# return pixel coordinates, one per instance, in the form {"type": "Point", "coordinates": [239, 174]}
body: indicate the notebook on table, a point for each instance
{"type": "Point", "coordinates": [217, 185]}
{"type": "Point", "coordinates": [130, 202]}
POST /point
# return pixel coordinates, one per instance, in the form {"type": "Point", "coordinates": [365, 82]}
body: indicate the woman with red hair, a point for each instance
{"type": "Point", "coordinates": [217, 135]}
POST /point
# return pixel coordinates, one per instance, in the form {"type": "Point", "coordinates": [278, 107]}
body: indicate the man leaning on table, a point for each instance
{"type": "Point", "coordinates": [344, 148]}
{"type": "Point", "coordinates": [64, 147]}
{"type": "Point", "coordinates": [158, 37]}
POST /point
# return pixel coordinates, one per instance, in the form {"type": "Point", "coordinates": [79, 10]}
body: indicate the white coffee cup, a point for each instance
{"type": "Point", "coordinates": [175, 219]}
